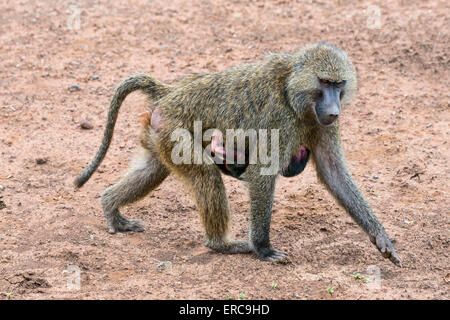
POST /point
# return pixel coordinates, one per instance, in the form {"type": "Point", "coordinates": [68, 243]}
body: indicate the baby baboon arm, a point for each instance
{"type": "Point", "coordinates": [332, 171]}
{"type": "Point", "coordinates": [261, 189]}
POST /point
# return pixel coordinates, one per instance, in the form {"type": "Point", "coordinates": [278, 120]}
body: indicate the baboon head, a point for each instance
{"type": "Point", "coordinates": [323, 80]}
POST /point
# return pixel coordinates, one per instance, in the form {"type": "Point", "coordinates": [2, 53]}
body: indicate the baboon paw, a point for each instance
{"type": "Point", "coordinates": [384, 244]}
{"type": "Point", "coordinates": [134, 225]}
{"type": "Point", "coordinates": [127, 225]}
{"type": "Point", "coordinates": [272, 255]}
{"type": "Point", "coordinates": [112, 230]}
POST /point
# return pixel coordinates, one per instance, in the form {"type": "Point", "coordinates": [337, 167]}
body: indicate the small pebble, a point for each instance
{"type": "Point", "coordinates": [86, 125]}
{"type": "Point", "coordinates": [41, 160]}
{"type": "Point", "coordinates": [163, 265]}
{"type": "Point", "coordinates": [74, 87]}
{"type": "Point", "coordinates": [95, 77]}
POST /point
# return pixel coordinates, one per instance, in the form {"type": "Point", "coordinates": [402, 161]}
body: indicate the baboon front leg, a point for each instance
{"type": "Point", "coordinates": [145, 175]}
{"type": "Point", "coordinates": [332, 171]}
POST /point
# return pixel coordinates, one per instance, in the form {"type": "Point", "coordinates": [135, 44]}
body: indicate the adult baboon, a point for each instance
{"type": "Point", "coordinates": [299, 94]}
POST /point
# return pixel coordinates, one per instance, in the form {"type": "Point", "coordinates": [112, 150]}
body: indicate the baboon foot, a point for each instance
{"type": "Point", "coordinates": [119, 223]}
{"type": "Point", "coordinates": [229, 246]}
{"type": "Point", "coordinates": [272, 255]}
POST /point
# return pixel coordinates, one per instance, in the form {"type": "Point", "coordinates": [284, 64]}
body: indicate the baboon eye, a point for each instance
{"type": "Point", "coordinates": [332, 83]}
{"type": "Point", "coordinates": [341, 83]}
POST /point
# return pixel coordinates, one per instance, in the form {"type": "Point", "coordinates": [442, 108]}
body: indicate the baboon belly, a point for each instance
{"type": "Point", "coordinates": [294, 167]}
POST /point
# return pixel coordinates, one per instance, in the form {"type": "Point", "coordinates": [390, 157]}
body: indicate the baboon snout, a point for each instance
{"type": "Point", "coordinates": [332, 114]}
{"type": "Point", "coordinates": [327, 114]}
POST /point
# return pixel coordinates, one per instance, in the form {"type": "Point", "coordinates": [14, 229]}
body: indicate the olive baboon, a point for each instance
{"type": "Point", "coordinates": [299, 94]}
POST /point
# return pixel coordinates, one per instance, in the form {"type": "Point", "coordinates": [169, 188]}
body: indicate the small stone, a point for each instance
{"type": "Point", "coordinates": [86, 125]}
{"type": "Point", "coordinates": [164, 265]}
{"type": "Point", "coordinates": [2, 205]}
{"type": "Point", "coordinates": [95, 77]}
{"type": "Point", "coordinates": [74, 87]}
{"type": "Point", "coordinates": [41, 160]}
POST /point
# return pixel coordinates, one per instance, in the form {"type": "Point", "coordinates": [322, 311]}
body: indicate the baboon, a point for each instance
{"type": "Point", "coordinates": [300, 94]}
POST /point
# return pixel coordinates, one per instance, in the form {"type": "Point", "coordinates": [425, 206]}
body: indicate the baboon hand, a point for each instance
{"type": "Point", "coordinates": [384, 244]}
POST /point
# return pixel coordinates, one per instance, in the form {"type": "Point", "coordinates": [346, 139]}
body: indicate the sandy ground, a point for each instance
{"type": "Point", "coordinates": [59, 63]}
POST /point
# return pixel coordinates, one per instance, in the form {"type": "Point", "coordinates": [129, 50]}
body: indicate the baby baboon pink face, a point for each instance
{"type": "Point", "coordinates": [217, 145]}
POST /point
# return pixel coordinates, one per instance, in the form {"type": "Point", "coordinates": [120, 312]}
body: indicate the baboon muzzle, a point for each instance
{"type": "Point", "coordinates": [329, 106]}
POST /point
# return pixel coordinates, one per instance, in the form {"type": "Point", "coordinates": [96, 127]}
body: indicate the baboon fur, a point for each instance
{"type": "Point", "coordinates": [281, 92]}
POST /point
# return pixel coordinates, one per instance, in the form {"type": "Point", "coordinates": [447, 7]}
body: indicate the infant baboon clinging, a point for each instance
{"type": "Point", "coordinates": [298, 94]}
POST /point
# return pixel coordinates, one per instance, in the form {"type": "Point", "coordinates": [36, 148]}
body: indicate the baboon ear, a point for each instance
{"type": "Point", "coordinates": [299, 92]}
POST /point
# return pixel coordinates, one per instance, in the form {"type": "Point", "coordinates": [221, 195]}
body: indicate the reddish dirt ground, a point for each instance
{"type": "Point", "coordinates": [396, 137]}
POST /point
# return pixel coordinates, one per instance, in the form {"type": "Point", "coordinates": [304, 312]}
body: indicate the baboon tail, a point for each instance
{"type": "Point", "coordinates": [141, 81]}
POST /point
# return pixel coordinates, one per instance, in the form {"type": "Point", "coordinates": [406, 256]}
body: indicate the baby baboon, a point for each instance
{"type": "Point", "coordinates": [298, 94]}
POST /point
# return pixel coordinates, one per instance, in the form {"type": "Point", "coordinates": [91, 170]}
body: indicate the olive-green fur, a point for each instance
{"type": "Point", "coordinates": [279, 92]}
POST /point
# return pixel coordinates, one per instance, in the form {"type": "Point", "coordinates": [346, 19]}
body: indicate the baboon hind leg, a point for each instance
{"type": "Point", "coordinates": [145, 175]}
{"type": "Point", "coordinates": [209, 192]}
